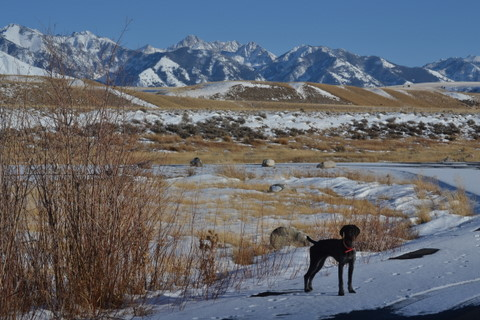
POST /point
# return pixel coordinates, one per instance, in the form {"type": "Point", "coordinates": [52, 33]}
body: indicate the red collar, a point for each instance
{"type": "Point", "coordinates": [347, 247]}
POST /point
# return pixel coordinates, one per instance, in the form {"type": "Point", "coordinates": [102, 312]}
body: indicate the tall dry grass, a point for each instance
{"type": "Point", "coordinates": [84, 229]}
{"type": "Point", "coordinates": [16, 295]}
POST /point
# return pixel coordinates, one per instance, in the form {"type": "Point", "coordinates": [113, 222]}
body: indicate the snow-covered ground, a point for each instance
{"type": "Point", "coordinates": [267, 122]}
{"type": "Point", "coordinates": [441, 282]}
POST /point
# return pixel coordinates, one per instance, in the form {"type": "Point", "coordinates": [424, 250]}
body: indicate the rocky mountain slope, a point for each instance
{"type": "Point", "coordinates": [193, 61]}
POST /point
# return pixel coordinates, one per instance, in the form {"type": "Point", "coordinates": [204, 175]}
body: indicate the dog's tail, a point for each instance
{"type": "Point", "coordinates": [311, 240]}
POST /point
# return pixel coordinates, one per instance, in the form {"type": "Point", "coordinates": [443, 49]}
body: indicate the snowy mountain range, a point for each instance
{"type": "Point", "coordinates": [193, 61]}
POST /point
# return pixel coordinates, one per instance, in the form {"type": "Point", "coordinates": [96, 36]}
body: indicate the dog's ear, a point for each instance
{"type": "Point", "coordinates": [342, 231]}
{"type": "Point", "coordinates": [357, 231]}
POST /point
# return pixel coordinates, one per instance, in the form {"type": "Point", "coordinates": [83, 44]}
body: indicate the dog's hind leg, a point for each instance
{"type": "Point", "coordinates": [315, 265]}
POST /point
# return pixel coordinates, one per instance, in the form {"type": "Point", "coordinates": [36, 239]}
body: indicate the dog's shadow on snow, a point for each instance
{"type": "Point", "coordinates": [292, 292]}
{"type": "Point", "coordinates": [276, 293]}
{"type": "Point", "coordinates": [416, 254]}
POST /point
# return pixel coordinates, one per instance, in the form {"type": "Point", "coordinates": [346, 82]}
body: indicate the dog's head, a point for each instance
{"type": "Point", "coordinates": [350, 231]}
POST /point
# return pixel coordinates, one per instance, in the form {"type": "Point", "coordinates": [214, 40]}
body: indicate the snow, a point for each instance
{"type": "Point", "coordinates": [270, 121]}
{"type": "Point", "coordinates": [445, 280]}
{"type": "Point", "coordinates": [386, 64]}
{"type": "Point", "coordinates": [221, 88]}
{"type": "Point", "coordinates": [458, 96]}
{"type": "Point", "coordinates": [148, 78]}
{"type": "Point", "coordinates": [300, 87]}
{"type": "Point", "coordinates": [23, 37]}
{"type": "Point", "coordinates": [10, 65]}
{"type": "Point", "coordinates": [169, 67]}
{"type": "Point", "coordinates": [439, 75]}
{"type": "Point", "coordinates": [381, 92]}
{"type": "Point", "coordinates": [132, 99]}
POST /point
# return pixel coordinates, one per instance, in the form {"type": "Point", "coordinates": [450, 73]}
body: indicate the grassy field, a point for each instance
{"type": "Point", "coordinates": [309, 149]}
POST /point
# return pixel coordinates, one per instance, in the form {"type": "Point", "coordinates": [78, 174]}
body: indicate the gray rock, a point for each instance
{"type": "Point", "coordinates": [276, 187]}
{"type": "Point", "coordinates": [287, 236]}
{"type": "Point", "coordinates": [268, 163]}
{"type": "Point", "coordinates": [327, 164]}
{"type": "Point", "coordinates": [196, 162]}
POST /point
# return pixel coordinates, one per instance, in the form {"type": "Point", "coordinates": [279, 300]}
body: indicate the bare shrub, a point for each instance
{"type": "Point", "coordinates": [77, 218]}
{"type": "Point", "coordinates": [16, 283]}
{"type": "Point", "coordinates": [208, 249]}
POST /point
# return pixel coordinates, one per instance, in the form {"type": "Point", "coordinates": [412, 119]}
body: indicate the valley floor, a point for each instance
{"type": "Point", "coordinates": [445, 283]}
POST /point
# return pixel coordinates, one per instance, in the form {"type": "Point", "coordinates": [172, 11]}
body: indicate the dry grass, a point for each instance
{"type": "Point", "coordinates": [423, 213]}
{"type": "Point", "coordinates": [424, 187]}
{"type": "Point", "coordinates": [352, 99]}
{"type": "Point", "coordinates": [456, 201]}
{"type": "Point", "coordinates": [236, 172]}
{"type": "Point", "coordinates": [308, 149]}
{"type": "Point", "coordinates": [377, 233]}
{"type": "Point", "coordinates": [459, 203]}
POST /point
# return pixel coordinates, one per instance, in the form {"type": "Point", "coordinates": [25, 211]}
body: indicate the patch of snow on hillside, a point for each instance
{"type": "Point", "coordinates": [440, 75]}
{"type": "Point", "coordinates": [325, 93]}
{"type": "Point", "coordinates": [387, 64]}
{"type": "Point", "coordinates": [381, 92]}
{"type": "Point", "coordinates": [300, 88]}
{"type": "Point", "coordinates": [458, 96]}
{"type": "Point", "coordinates": [405, 92]}
{"type": "Point", "coordinates": [133, 100]}
{"type": "Point", "coordinates": [204, 90]}
{"type": "Point", "coordinates": [12, 66]}
{"type": "Point", "coordinates": [215, 89]}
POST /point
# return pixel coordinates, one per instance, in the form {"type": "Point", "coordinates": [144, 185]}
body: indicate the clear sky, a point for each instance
{"type": "Point", "coordinates": [406, 32]}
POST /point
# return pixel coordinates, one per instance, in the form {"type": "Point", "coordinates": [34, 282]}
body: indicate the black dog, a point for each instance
{"type": "Point", "coordinates": [341, 250]}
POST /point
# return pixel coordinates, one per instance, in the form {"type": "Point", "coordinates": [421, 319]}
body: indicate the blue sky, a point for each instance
{"type": "Point", "coordinates": [406, 32]}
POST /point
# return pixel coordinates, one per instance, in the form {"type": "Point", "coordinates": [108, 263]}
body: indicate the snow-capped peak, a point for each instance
{"type": "Point", "coordinates": [194, 42]}
{"type": "Point", "coordinates": [473, 59]}
{"type": "Point", "coordinates": [148, 49]}
{"type": "Point", "coordinates": [22, 36]}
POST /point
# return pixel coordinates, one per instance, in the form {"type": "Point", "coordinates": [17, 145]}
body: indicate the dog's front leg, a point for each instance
{"type": "Point", "coordinates": [350, 276]}
{"type": "Point", "coordinates": [340, 279]}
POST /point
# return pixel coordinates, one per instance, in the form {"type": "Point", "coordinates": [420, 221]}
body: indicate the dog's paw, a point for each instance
{"type": "Point", "coordinates": [352, 291]}
{"type": "Point", "coordinates": [341, 293]}
{"type": "Point", "coordinates": [308, 289]}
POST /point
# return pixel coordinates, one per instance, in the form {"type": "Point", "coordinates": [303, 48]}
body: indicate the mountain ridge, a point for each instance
{"type": "Point", "coordinates": [192, 61]}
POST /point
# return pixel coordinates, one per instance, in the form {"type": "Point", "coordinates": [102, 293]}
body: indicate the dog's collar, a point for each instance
{"type": "Point", "coordinates": [349, 249]}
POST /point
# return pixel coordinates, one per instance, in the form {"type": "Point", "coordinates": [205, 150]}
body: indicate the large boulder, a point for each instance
{"type": "Point", "coordinates": [268, 163]}
{"type": "Point", "coordinates": [277, 187]}
{"type": "Point", "coordinates": [196, 162]}
{"type": "Point", "coordinates": [327, 164]}
{"type": "Point", "coordinates": [287, 236]}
